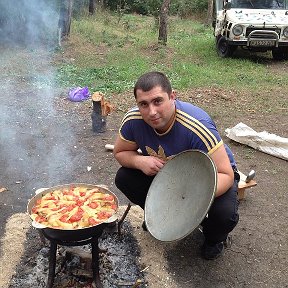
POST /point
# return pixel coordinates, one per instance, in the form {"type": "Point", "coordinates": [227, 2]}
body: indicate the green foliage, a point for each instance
{"type": "Point", "coordinates": [122, 51]}
{"type": "Point", "coordinates": [187, 8]}
{"type": "Point", "coordinates": [149, 7]}
{"type": "Point", "coordinates": [198, 5]}
{"type": "Point", "coordinates": [134, 6]}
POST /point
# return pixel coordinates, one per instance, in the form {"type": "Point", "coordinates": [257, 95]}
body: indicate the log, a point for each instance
{"type": "Point", "coordinates": [98, 119]}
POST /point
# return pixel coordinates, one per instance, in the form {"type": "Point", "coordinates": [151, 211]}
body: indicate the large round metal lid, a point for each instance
{"type": "Point", "coordinates": [180, 195]}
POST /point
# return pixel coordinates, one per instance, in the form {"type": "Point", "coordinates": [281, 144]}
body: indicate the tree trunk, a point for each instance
{"type": "Point", "coordinates": [92, 6]}
{"type": "Point", "coordinates": [64, 22]}
{"type": "Point", "coordinates": [162, 38]}
{"type": "Point", "coordinates": [210, 13]}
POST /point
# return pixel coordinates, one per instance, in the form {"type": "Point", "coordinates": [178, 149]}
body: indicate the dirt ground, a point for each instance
{"type": "Point", "coordinates": [47, 140]}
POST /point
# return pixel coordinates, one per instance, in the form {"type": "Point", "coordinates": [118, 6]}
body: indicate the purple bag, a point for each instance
{"type": "Point", "coordinates": [78, 94]}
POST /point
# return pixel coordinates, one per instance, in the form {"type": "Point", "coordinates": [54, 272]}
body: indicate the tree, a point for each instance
{"type": "Point", "coordinates": [210, 12]}
{"type": "Point", "coordinates": [64, 22]}
{"type": "Point", "coordinates": [92, 6]}
{"type": "Point", "coordinates": [162, 38]}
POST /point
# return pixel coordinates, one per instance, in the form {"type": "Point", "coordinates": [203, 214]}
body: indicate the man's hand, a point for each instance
{"type": "Point", "coordinates": [127, 155]}
{"type": "Point", "coordinates": [150, 165]}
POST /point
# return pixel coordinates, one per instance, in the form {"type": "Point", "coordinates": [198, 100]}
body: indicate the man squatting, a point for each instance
{"type": "Point", "coordinates": [163, 126]}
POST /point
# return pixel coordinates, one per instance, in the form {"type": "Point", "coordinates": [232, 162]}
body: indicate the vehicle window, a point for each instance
{"type": "Point", "coordinates": [259, 4]}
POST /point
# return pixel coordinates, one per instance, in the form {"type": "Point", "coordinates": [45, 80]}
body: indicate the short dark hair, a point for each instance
{"type": "Point", "coordinates": [153, 79]}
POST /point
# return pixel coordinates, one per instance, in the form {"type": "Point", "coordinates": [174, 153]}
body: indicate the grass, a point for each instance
{"type": "Point", "coordinates": [111, 53]}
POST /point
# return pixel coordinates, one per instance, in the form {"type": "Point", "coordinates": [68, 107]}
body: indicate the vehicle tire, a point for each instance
{"type": "Point", "coordinates": [224, 50]}
{"type": "Point", "coordinates": [280, 54]}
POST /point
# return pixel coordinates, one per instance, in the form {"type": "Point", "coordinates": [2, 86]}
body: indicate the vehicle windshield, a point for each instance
{"type": "Point", "coordinates": [260, 4]}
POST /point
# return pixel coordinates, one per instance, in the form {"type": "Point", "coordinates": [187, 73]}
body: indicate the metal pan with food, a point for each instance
{"type": "Point", "coordinates": [73, 211]}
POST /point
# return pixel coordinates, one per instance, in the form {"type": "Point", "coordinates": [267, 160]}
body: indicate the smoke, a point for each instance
{"type": "Point", "coordinates": [28, 22]}
{"type": "Point", "coordinates": [33, 137]}
{"type": "Point", "coordinates": [35, 142]}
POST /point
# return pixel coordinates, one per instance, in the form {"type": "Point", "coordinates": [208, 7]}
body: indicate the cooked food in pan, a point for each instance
{"type": "Point", "coordinates": [73, 208]}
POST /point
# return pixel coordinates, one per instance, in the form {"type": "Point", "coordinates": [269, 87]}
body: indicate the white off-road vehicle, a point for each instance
{"type": "Point", "coordinates": [256, 25]}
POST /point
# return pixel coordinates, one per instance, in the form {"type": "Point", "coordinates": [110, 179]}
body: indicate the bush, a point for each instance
{"type": "Point", "coordinates": [186, 8]}
{"type": "Point", "coordinates": [183, 8]}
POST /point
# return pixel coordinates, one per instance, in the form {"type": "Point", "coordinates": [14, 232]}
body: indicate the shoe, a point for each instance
{"type": "Point", "coordinates": [144, 227]}
{"type": "Point", "coordinates": [211, 252]}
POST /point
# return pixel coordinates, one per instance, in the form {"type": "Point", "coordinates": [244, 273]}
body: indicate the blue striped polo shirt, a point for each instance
{"type": "Point", "coordinates": [192, 128]}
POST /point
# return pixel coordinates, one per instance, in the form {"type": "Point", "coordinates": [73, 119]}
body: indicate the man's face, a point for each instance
{"type": "Point", "coordinates": [156, 108]}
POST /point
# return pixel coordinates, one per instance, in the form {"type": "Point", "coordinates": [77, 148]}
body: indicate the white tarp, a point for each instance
{"type": "Point", "coordinates": [263, 141]}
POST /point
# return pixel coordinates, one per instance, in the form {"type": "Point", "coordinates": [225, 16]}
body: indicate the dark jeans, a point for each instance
{"type": "Point", "coordinates": [222, 216]}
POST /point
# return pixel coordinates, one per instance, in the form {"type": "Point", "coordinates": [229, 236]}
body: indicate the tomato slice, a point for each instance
{"type": "Point", "coordinates": [50, 198]}
{"type": "Point", "coordinates": [80, 202]}
{"type": "Point", "coordinates": [104, 215]}
{"type": "Point", "coordinates": [80, 210]}
{"type": "Point", "coordinates": [34, 210]}
{"type": "Point", "coordinates": [70, 207]}
{"type": "Point", "coordinates": [76, 217]}
{"type": "Point", "coordinates": [92, 221]}
{"type": "Point", "coordinates": [108, 197]}
{"type": "Point", "coordinates": [93, 205]}
{"type": "Point", "coordinates": [67, 192]}
{"type": "Point", "coordinates": [40, 219]}
{"type": "Point", "coordinates": [65, 210]}
{"type": "Point", "coordinates": [55, 209]}
{"type": "Point", "coordinates": [64, 218]}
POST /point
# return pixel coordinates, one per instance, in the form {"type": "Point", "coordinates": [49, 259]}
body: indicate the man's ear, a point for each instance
{"type": "Point", "coordinates": [173, 95]}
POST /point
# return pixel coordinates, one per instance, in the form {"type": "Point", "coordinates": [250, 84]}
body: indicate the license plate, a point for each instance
{"type": "Point", "coordinates": [262, 43]}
